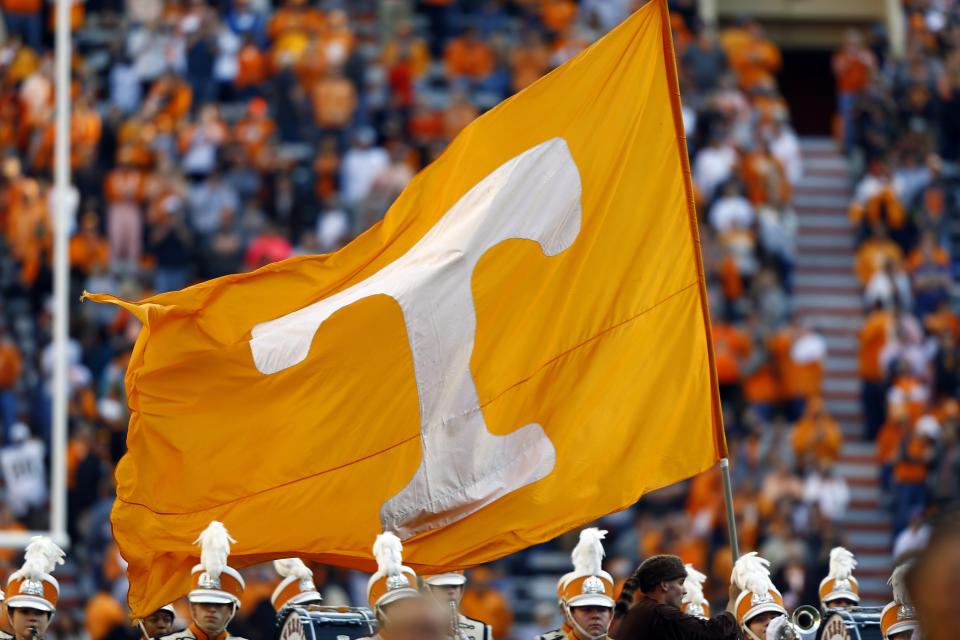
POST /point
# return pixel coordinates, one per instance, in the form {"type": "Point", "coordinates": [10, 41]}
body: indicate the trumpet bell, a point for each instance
{"type": "Point", "coordinates": [806, 618]}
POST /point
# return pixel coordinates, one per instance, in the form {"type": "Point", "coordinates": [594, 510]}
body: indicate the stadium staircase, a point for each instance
{"type": "Point", "coordinates": [828, 297]}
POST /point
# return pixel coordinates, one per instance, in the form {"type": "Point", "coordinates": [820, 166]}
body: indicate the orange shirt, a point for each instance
{"type": "Point", "coordinates": [917, 259]}
{"type": "Point", "coordinates": [253, 134]}
{"type": "Point", "coordinates": [557, 15]}
{"type": "Point", "coordinates": [23, 6]}
{"type": "Point", "coordinates": [853, 70]}
{"type": "Point", "coordinates": [456, 117]}
{"type": "Point", "coordinates": [124, 185]}
{"type": "Point", "coordinates": [912, 468]}
{"type": "Point", "coordinates": [872, 255]}
{"type": "Point", "coordinates": [765, 179]}
{"type": "Point", "coordinates": [731, 346]}
{"type": "Point", "coordinates": [943, 320]}
{"type": "Point", "coordinates": [10, 364]}
{"type": "Point", "coordinates": [334, 101]}
{"type": "Point", "coordinates": [888, 441]}
{"type": "Point", "coordinates": [822, 438]}
{"type": "Point", "coordinates": [529, 63]}
{"type": "Point", "coordinates": [253, 68]}
{"type": "Point", "coordinates": [762, 386]}
{"type": "Point", "coordinates": [873, 338]}
{"type": "Point", "coordinates": [102, 614]}
{"type": "Point", "coordinates": [491, 607]}
{"type": "Point", "coordinates": [89, 251]}
{"type": "Point", "coordinates": [416, 50]}
{"type": "Point", "coordinates": [463, 58]}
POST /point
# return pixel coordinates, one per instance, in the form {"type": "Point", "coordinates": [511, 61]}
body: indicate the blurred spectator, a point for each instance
{"type": "Point", "coordinates": [24, 476]}
{"type": "Point", "coordinates": [482, 601]}
{"type": "Point", "coordinates": [853, 66]}
{"type": "Point", "coordinates": [817, 437]}
{"type": "Point", "coordinates": [10, 366]}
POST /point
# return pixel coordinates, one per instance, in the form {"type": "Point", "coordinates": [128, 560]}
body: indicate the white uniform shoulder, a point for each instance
{"type": "Point", "coordinates": [556, 634]}
{"type": "Point", "coordinates": [5, 636]}
{"type": "Point", "coordinates": [184, 634]}
{"type": "Point", "coordinates": [475, 629]}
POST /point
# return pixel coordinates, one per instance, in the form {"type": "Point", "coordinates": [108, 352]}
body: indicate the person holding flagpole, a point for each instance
{"type": "Point", "coordinates": [658, 613]}
{"type": "Point", "coordinates": [159, 623]}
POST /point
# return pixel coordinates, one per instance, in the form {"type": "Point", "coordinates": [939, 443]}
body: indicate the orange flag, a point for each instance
{"type": "Point", "coordinates": [520, 347]}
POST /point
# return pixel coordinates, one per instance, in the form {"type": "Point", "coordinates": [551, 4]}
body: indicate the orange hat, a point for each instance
{"type": "Point", "coordinates": [751, 574]}
{"type": "Point", "coordinates": [392, 581]}
{"type": "Point", "coordinates": [212, 580]}
{"type": "Point", "coordinates": [297, 586]}
{"type": "Point", "coordinates": [840, 583]}
{"type": "Point", "coordinates": [694, 603]}
{"type": "Point", "coordinates": [588, 584]}
{"type": "Point", "coordinates": [899, 615]}
{"type": "Point", "coordinates": [32, 587]}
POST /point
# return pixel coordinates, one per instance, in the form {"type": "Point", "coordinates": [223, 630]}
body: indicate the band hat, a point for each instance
{"type": "Point", "coordinates": [840, 583]}
{"type": "Point", "coordinates": [169, 608]}
{"type": "Point", "coordinates": [588, 584]}
{"type": "Point", "coordinates": [213, 581]}
{"type": "Point", "coordinates": [297, 586]}
{"type": "Point", "coordinates": [751, 574]}
{"type": "Point", "coordinates": [392, 581]}
{"type": "Point", "coordinates": [33, 586]}
{"type": "Point", "coordinates": [694, 603]}
{"type": "Point", "coordinates": [449, 579]}
{"type": "Point", "coordinates": [899, 615]}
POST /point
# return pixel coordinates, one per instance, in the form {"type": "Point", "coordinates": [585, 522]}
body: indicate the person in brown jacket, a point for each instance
{"type": "Point", "coordinates": [658, 613]}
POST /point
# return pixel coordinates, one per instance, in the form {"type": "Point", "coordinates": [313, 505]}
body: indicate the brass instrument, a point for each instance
{"type": "Point", "coordinates": [806, 618]}
{"type": "Point", "coordinates": [455, 621]}
{"type": "Point", "coordinates": [802, 625]}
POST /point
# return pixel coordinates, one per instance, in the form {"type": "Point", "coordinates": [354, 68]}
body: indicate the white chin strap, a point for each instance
{"type": "Point", "coordinates": [580, 631]}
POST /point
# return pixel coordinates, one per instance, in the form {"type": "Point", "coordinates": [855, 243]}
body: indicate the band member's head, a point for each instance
{"type": "Point", "coordinates": [840, 590]}
{"type": "Point", "coordinates": [586, 593]}
{"type": "Point", "coordinates": [297, 587]}
{"type": "Point", "coordinates": [898, 620]}
{"type": "Point", "coordinates": [160, 622]}
{"type": "Point", "coordinates": [446, 587]}
{"type": "Point", "coordinates": [759, 602]}
{"type": "Point", "coordinates": [662, 578]}
{"type": "Point", "coordinates": [392, 582]}
{"type": "Point", "coordinates": [32, 592]}
{"type": "Point", "coordinates": [217, 588]}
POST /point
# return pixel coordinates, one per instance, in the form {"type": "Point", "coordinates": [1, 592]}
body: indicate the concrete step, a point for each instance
{"type": "Point", "coordinates": [836, 222]}
{"type": "Point", "coordinates": [816, 181]}
{"type": "Point", "coordinates": [871, 517]}
{"type": "Point", "coordinates": [807, 240]}
{"type": "Point", "coordinates": [850, 385]}
{"type": "Point", "coordinates": [872, 539]}
{"type": "Point", "coordinates": [839, 280]}
{"type": "Point", "coordinates": [837, 202]}
{"type": "Point", "coordinates": [845, 301]}
{"type": "Point", "coordinates": [847, 407]}
{"type": "Point", "coordinates": [817, 164]}
{"type": "Point", "coordinates": [858, 448]}
{"type": "Point", "coordinates": [819, 143]}
{"type": "Point", "coordinates": [840, 262]}
{"type": "Point", "coordinates": [872, 494]}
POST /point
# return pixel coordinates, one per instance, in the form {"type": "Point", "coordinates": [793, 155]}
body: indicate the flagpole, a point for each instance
{"type": "Point", "coordinates": [728, 500]}
{"type": "Point", "coordinates": [61, 274]}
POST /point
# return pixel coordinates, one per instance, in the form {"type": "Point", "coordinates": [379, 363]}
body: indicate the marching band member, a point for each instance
{"type": "Point", "coordinates": [658, 612]}
{"type": "Point", "coordinates": [33, 591]}
{"type": "Point", "coordinates": [693, 602]}
{"type": "Point", "coordinates": [297, 587]}
{"type": "Point", "coordinates": [448, 589]}
{"type": "Point", "coordinates": [159, 623]}
{"type": "Point", "coordinates": [586, 593]}
{"type": "Point", "coordinates": [898, 620]}
{"type": "Point", "coordinates": [759, 602]}
{"type": "Point", "coordinates": [401, 610]}
{"type": "Point", "coordinates": [217, 588]}
{"type": "Point", "coordinates": [840, 590]}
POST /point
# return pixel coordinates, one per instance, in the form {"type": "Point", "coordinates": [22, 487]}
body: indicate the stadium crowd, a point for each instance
{"type": "Point", "coordinates": [211, 137]}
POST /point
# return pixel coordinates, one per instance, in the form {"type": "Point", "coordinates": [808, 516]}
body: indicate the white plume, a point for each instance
{"type": "Point", "coordinates": [898, 582]}
{"type": "Point", "coordinates": [293, 568]}
{"type": "Point", "coordinates": [587, 556]}
{"type": "Point", "coordinates": [752, 573]}
{"type": "Point", "coordinates": [388, 550]}
{"type": "Point", "coordinates": [694, 586]}
{"type": "Point", "coordinates": [214, 548]}
{"type": "Point", "coordinates": [842, 563]}
{"type": "Point", "coordinates": [40, 558]}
